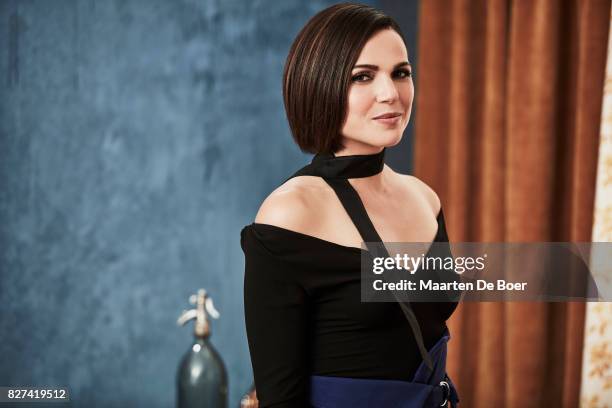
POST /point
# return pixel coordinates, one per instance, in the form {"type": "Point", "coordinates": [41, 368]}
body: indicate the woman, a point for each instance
{"type": "Point", "coordinates": [348, 94]}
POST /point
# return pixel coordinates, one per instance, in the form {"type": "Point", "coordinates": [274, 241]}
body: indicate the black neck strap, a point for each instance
{"type": "Point", "coordinates": [329, 166]}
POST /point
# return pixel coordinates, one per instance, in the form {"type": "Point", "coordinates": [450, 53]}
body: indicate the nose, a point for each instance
{"type": "Point", "coordinates": [386, 90]}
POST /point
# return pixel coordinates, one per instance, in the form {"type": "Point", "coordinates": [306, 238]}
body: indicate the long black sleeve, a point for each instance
{"type": "Point", "coordinates": [276, 324]}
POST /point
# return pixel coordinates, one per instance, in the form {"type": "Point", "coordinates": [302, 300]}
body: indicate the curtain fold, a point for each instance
{"type": "Point", "coordinates": [596, 385]}
{"type": "Point", "coordinates": [509, 101]}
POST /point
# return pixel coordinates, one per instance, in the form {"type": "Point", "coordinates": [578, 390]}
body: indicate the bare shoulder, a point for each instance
{"type": "Point", "coordinates": [295, 204]}
{"type": "Point", "coordinates": [424, 190]}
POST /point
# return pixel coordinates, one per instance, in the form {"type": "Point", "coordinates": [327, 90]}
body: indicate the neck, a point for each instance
{"type": "Point", "coordinates": [346, 166]}
{"type": "Point", "coordinates": [377, 183]}
{"type": "Point", "coordinates": [351, 148]}
{"type": "Point", "coordinates": [354, 152]}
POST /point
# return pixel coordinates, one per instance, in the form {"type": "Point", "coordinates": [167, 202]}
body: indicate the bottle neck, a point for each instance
{"type": "Point", "coordinates": [201, 339]}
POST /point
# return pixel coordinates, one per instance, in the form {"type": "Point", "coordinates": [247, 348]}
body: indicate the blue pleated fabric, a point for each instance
{"type": "Point", "coordinates": [424, 391]}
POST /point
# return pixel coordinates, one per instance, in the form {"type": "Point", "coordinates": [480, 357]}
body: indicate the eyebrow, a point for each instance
{"type": "Point", "coordinates": [375, 67]}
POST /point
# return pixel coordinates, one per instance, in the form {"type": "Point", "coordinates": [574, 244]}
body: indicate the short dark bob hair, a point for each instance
{"type": "Point", "coordinates": [318, 71]}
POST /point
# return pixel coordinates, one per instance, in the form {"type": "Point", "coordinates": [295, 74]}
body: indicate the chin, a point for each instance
{"type": "Point", "coordinates": [390, 140]}
{"type": "Point", "coordinates": [397, 139]}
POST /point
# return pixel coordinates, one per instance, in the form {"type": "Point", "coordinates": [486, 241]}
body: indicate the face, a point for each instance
{"type": "Point", "coordinates": [381, 83]}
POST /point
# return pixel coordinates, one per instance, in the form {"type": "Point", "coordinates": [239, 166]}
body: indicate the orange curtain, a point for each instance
{"type": "Point", "coordinates": [509, 99]}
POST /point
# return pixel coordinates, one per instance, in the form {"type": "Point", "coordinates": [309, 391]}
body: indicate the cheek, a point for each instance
{"type": "Point", "coordinates": [407, 94]}
{"type": "Point", "coordinates": [359, 102]}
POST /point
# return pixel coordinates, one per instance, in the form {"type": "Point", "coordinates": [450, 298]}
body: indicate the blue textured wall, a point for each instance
{"type": "Point", "coordinates": [136, 139]}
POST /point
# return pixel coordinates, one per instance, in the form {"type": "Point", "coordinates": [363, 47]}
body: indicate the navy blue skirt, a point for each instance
{"type": "Point", "coordinates": [427, 388]}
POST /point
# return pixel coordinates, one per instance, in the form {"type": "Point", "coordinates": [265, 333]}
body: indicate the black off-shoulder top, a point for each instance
{"type": "Point", "coordinates": [303, 309]}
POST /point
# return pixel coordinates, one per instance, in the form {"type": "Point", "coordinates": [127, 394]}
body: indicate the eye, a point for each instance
{"type": "Point", "coordinates": [367, 76]}
{"type": "Point", "coordinates": [404, 73]}
{"type": "Point", "coordinates": [361, 77]}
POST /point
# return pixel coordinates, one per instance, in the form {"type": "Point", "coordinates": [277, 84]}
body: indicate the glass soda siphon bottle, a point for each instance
{"type": "Point", "coordinates": [201, 377]}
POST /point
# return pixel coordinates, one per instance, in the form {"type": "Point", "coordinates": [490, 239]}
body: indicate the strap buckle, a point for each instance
{"type": "Point", "coordinates": [447, 391]}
